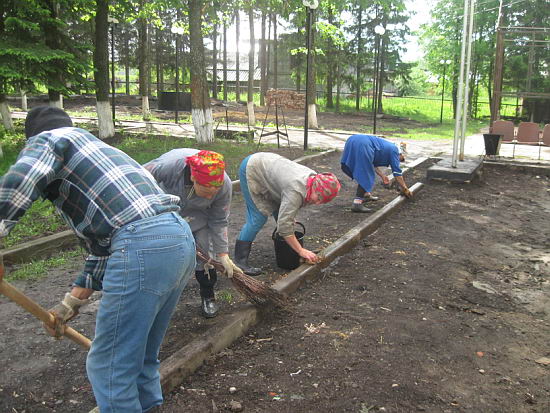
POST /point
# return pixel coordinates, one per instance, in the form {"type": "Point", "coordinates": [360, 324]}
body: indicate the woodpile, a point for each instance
{"type": "Point", "coordinates": [289, 99]}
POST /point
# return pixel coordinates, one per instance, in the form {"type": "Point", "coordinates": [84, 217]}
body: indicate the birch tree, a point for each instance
{"type": "Point", "coordinates": [201, 110]}
{"type": "Point", "coordinates": [101, 71]}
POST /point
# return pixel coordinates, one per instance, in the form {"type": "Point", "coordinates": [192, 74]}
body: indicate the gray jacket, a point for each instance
{"type": "Point", "coordinates": [173, 176]}
{"type": "Point", "coordinates": [277, 184]}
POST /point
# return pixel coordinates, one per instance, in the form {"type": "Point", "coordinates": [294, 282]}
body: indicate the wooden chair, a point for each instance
{"type": "Point", "coordinates": [504, 128]}
{"type": "Point", "coordinates": [528, 132]}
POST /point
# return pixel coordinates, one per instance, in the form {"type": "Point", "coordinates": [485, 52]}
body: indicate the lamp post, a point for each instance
{"type": "Point", "coordinates": [444, 63]}
{"type": "Point", "coordinates": [112, 21]}
{"type": "Point", "coordinates": [177, 31]}
{"type": "Point", "coordinates": [379, 30]}
{"type": "Point", "coordinates": [310, 6]}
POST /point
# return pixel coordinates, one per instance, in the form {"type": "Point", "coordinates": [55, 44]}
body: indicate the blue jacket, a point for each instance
{"type": "Point", "coordinates": [362, 153]}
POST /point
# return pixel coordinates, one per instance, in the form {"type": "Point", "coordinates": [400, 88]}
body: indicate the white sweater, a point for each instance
{"type": "Point", "coordinates": [277, 184]}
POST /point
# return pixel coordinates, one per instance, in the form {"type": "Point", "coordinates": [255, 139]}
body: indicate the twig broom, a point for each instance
{"type": "Point", "coordinates": [257, 292]}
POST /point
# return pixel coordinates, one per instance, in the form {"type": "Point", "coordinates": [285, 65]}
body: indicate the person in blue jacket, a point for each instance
{"type": "Point", "coordinates": [361, 159]}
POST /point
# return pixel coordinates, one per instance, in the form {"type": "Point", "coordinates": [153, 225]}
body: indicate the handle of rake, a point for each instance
{"type": "Point", "coordinates": [35, 309]}
{"type": "Point", "coordinates": [203, 256]}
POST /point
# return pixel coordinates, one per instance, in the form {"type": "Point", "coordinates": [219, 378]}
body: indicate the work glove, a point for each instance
{"type": "Point", "coordinates": [64, 311]}
{"type": "Point", "coordinates": [407, 192]}
{"type": "Point", "coordinates": [228, 265]}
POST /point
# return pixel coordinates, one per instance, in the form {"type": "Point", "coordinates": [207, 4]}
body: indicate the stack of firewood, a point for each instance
{"type": "Point", "coordinates": [289, 99]}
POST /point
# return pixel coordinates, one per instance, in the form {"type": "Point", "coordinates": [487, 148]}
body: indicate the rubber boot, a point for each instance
{"type": "Point", "coordinates": [242, 252]}
{"type": "Point", "coordinates": [209, 307]}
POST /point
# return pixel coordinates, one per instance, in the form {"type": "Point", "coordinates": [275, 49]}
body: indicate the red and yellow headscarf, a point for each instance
{"type": "Point", "coordinates": [207, 168]}
{"type": "Point", "coordinates": [327, 185]}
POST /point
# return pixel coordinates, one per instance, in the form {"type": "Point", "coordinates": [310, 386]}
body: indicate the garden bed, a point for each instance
{"type": "Point", "coordinates": [403, 320]}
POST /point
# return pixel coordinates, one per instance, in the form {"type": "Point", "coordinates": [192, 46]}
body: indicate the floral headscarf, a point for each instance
{"type": "Point", "coordinates": [207, 168]}
{"type": "Point", "coordinates": [326, 185]}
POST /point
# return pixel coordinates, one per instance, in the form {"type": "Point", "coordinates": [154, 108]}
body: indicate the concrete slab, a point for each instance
{"type": "Point", "coordinates": [464, 171]}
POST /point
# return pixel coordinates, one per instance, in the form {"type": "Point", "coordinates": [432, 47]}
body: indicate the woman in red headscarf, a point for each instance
{"type": "Point", "coordinates": [204, 189]}
{"type": "Point", "coordinates": [273, 185]}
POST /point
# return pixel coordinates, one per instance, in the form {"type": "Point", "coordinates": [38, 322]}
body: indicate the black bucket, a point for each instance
{"type": "Point", "coordinates": [285, 256]}
{"type": "Point", "coordinates": [492, 141]}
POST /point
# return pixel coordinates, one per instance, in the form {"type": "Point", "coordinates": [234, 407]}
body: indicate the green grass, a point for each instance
{"type": "Point", "coordinates": [225, 295]}
{"type": "Point", "coordinates": [434, 131]}
{"type": "Point", "coordinates": [40, 220]}
{"type": "Point", "coordinates": [145, 149]}
{"type": "Point", "coordinates": [37, 269]}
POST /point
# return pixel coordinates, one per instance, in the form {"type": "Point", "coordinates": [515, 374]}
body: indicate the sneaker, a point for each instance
{"type": "Point", "coordinates": [368, 198]}
{"type": "Point", "coordinates": [359, 208]}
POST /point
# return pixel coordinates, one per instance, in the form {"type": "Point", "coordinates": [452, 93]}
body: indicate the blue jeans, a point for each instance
{"type": "Point", "coordinates": [255, 220]}
{"type": "Point", "coordinates": [151, 261]}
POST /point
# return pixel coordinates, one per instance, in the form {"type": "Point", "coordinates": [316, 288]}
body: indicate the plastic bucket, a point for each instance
{"type": "Point", "coordinates": [285, 256]}
{"type": "Point", "coordinates": [492, 143]}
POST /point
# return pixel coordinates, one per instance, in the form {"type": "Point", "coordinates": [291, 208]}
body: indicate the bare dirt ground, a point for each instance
{"type": "Point", "coordinates": [360, 122]}
{"type": "Point", "coordinates": [446, 308]}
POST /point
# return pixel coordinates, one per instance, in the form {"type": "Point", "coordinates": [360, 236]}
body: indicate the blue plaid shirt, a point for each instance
{"type": "Point", "coordinates": [96, 188]}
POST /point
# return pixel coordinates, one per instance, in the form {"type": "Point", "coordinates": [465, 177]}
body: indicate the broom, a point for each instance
{"type": "Point", "coordinates": [257, 292]}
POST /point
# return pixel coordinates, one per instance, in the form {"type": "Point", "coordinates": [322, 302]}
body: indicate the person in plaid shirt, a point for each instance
{"type": "Point", "coordinates": [141, 252]}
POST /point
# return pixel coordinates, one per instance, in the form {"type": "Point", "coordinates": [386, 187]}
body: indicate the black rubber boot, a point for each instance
{"type": "Point", "coordinates": [242, 252]}
{"type": "Point", "coordinates": [206, 282]}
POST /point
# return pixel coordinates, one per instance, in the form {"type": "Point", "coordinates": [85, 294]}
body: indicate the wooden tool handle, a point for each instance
{"type": "Point", "coordinates": [39, 312]}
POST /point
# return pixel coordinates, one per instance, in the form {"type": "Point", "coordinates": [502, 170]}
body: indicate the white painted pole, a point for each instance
{"type": "Point", "coordinates": [467, 84]}
{"type": "Point", "coordinates": [460, 96]}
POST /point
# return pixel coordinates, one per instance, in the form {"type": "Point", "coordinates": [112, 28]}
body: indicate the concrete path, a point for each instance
{"type": "Point", "coordinates": [328, 139]}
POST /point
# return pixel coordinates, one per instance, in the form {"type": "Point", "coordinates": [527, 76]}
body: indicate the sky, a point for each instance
{"type": "Point", "coordinates": [422, 16]}
{"type": "Point", "coordinates": [420, 7]}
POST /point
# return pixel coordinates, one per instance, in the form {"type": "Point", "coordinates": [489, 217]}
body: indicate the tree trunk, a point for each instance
{"type": "Point", "coordinates": [268, 54]}
{"type": "Point", "coordinates": [127, 62]}
{"type": "Point", "coordinates": [149, 60]}
{"type": "Point", "coordinates": [312, 93]}
{"type": "Point", "coordinates": [201, 111]}
{"type": "Point", "coordinates": [275, 64]}
{"type": "Point", "coordinates": [101, 72]}
{"type": "Point", "coordinates": [331, 63]}
{"type": "Point", "coordinates": [237, 58]}
{"type": "Point", "coordinates": [5, 113]}
{"type": "Point", "coordinates": [225, 62]}
{"type": "Point", "coordinates": [215, 63]}
{"type": "Point", "coordinates": [382, 75]}
{"type": "Point", "coordinates": [159, 64]}
{"type": "Point", "coordinates": [143, 59]}
{"type": "Point", "coordinates": [51, 38]}
{"type": "Point", "coordinates": [358, 63]}
{"type": "Point", "coordinates": [24, 105]}
{"type": "Point", "coordinates": [250, 89]}
{"type": "Point", "coordinates": [263, 66]}
{"type": "Point", "coordinates": [338, 82]}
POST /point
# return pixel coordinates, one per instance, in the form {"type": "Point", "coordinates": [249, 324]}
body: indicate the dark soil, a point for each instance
{"type": "Point", "coordinates": [445, 308]}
